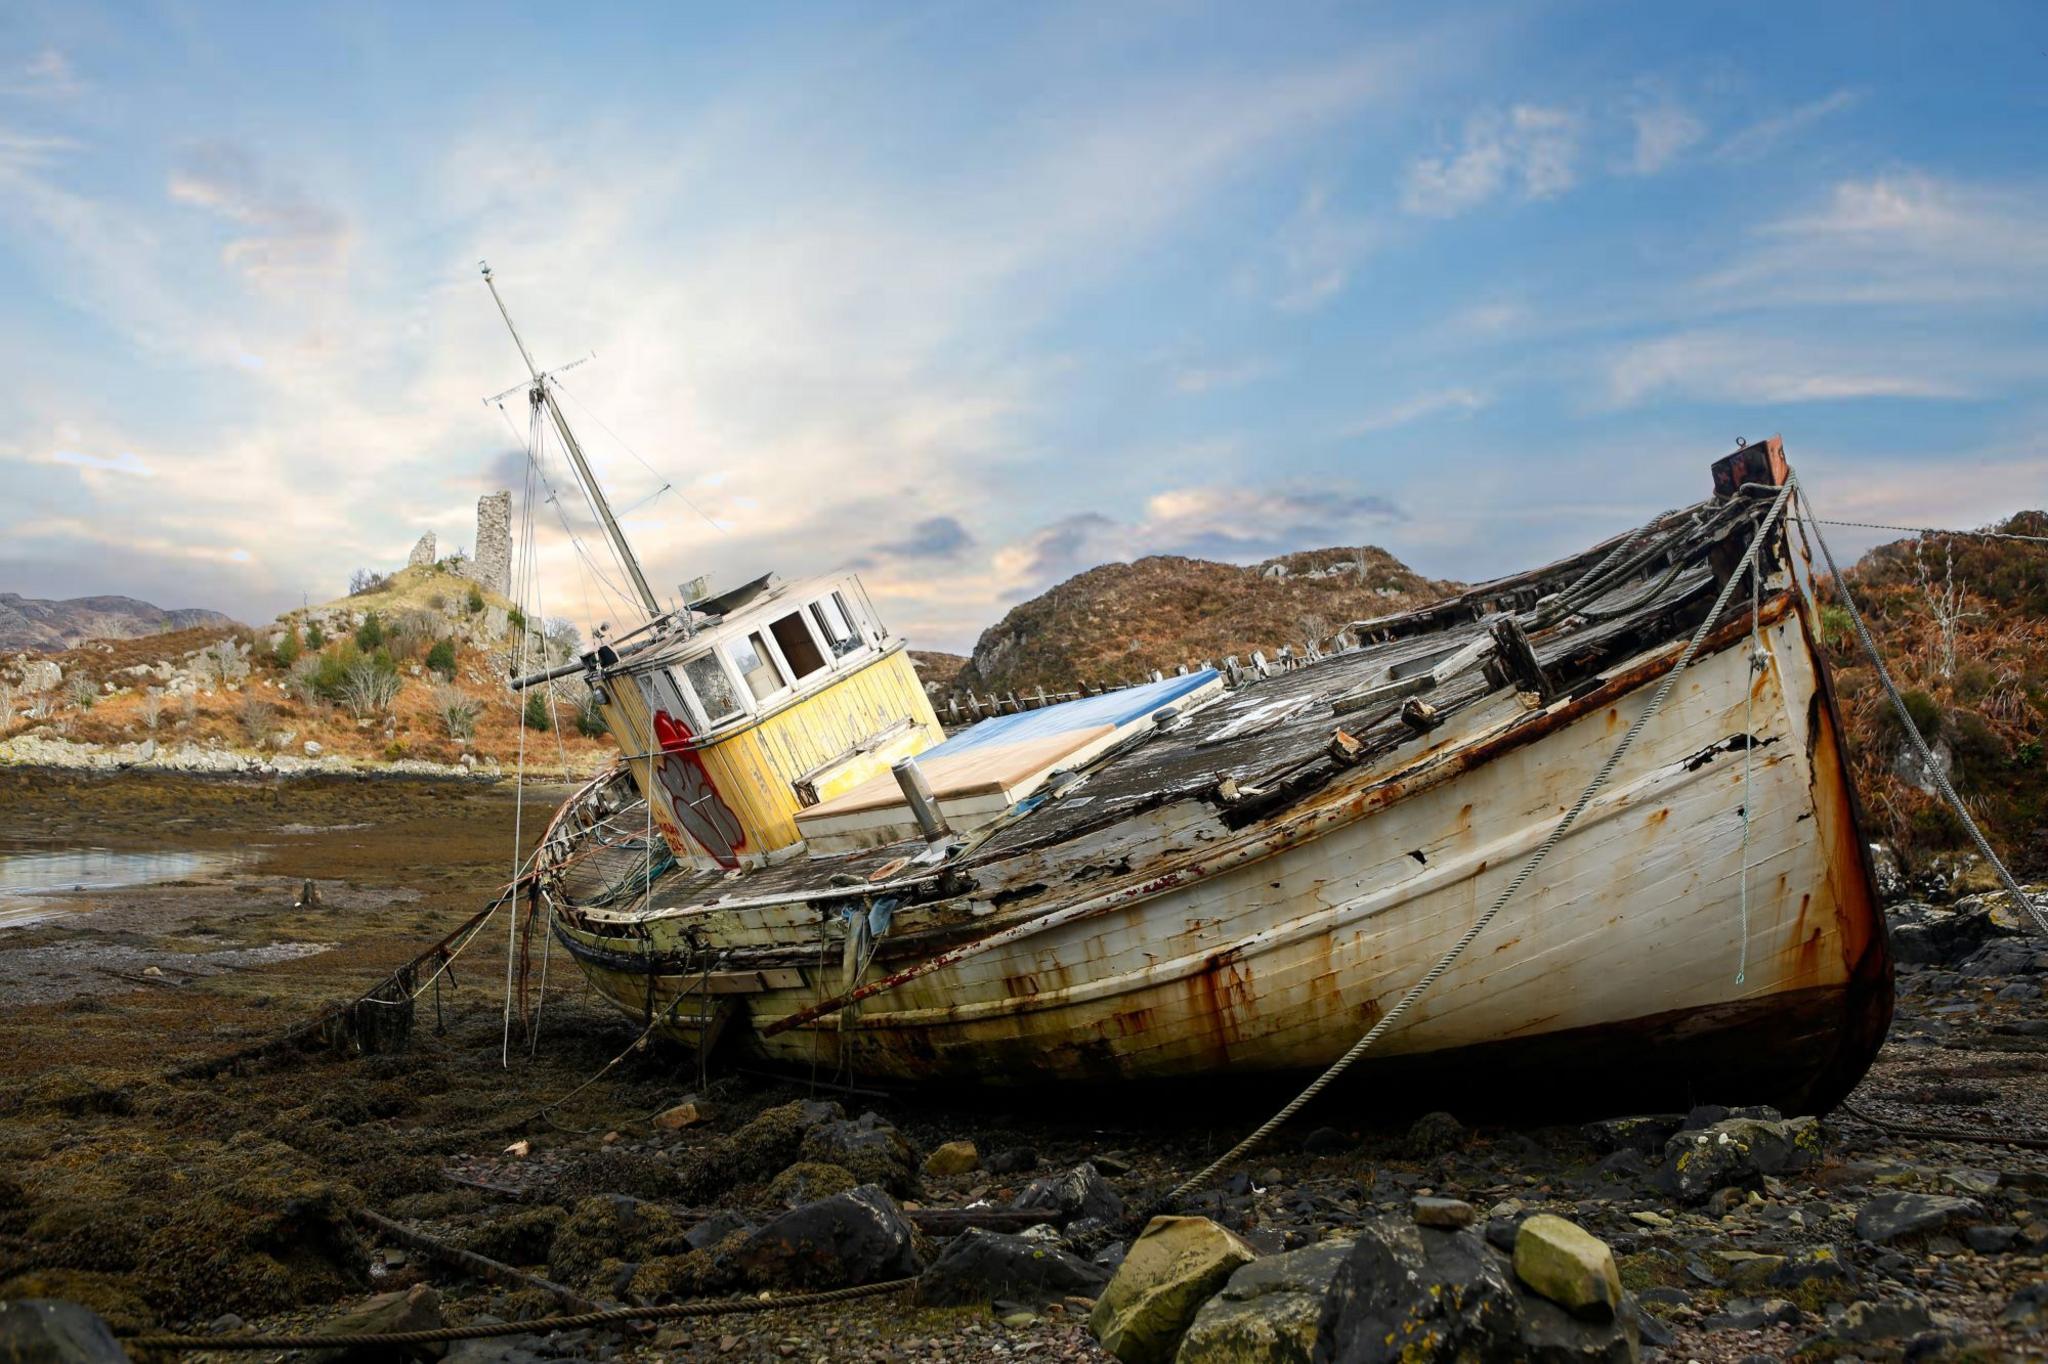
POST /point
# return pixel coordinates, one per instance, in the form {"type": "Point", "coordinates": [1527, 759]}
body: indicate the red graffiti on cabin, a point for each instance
{"type": "Point", "coordinates": [693, 796]}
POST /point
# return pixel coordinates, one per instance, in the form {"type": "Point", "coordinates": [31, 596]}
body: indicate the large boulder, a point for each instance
{"type": "Point", "coordinates": [1408, 1294]}
{"type": "Point", "coordinates": [1903, 1216]}
{"type": "Point", "coordinates": [1269, 1312]}
{"type": "Point", "coordinates": [415, 1309]}
{"type": "Point", "coordinates": [1173, 1267]}
{"type": "Point", "coordinates": [1567, 1264]}
{"type": "Point", "coordinates": [980, 1266]}
{"type": "Point", "coordinates": [952, 1158]}
{"type": "Point", "coordinates": [44, 1331]}
{"type": "Point", "coordinates": [1735, 1152]}
{"type": "Point", "coordinates": [869, 1148]}
{"type": "Point", "coordinates": [857, 1237]}
{"type": "Point", "coordinates": [1081, 1194]}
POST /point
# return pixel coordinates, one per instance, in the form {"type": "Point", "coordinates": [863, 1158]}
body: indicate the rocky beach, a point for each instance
{"type": "Point", "coordinates": [289, 1193]}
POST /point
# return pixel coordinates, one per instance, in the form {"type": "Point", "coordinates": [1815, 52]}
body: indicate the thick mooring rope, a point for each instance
{"type": "Point", "coordinates": [532, 1326]}
{"type": "Point", "coordinates": [1457, 949]}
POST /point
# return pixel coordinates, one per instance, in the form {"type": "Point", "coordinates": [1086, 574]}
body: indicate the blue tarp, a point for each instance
{"type": "Point", "coordinates": [1113, 708]}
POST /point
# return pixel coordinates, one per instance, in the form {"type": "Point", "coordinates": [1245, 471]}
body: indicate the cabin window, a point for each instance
{"type": "Point", "coordinates": [835, 623]}
{"type": "Point", "coordinates": [799, 650]}
{"type": "Point", "coordinates": [716, 695]}
{"type": "Point", "coordinates": [757, 666]}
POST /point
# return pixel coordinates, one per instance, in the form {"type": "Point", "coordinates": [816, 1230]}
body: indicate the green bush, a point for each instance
{"type": "Point", "coordinates": [517, 619]}
{"type": "Point", "coordinates": [590, 719]}
{"type": "Point", "coordinates": [537, 713]}
{"type": "Point", "coordinates": [1836, 629]}
{"type": "Point", "coordinates": [316, 638]}
{"type": "Point", "coordinates": [475, 603]}
{"type": "Point", "coordinates": [441, 658]}
{"type": "Point", "coordinates": [1925, 710]}
{"type": "Point", "coordinates": [289, 648]}
{"type": "Point", "coordinates": [370, 633]}
{"type": "Point", "coordinates": [333, 670]}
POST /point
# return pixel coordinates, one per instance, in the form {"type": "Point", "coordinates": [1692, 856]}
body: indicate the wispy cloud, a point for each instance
{"type": "Point", "coordinates": [1462, 401]}
{"type": "Point", "coordinates": [1529, 148]}
{"type": "Point", "coordinates": [1316, 252]}
{"type": "Point", "coordinates": [1742, 367]}
{"type": "Point", "coordinates": [47, 75]}
{"type": "Point", "coordinates": [290, 234]}
{"type": "Point", "coordinates": [1764, 135]}
{"type": "Point", "coordinates": [1199, 379]}
{"type": "Point", "coordinates": [1663, 132]}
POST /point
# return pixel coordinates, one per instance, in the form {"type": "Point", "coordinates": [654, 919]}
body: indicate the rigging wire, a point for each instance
{"type": "Point", "coordinates": [1926, 530]}
{"type": "Point", "coordinates": [666, 486]}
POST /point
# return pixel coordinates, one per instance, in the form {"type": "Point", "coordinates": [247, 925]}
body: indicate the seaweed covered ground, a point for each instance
{"type": "Point", "coordinates": [217, 1203]}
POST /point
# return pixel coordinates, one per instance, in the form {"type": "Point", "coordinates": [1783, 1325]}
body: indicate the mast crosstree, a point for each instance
{"type": "Point", "coordinates": [542, 396]}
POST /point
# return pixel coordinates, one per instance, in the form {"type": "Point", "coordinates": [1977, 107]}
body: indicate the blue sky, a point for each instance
{"type": "Point", "coordinates": [979, 296]}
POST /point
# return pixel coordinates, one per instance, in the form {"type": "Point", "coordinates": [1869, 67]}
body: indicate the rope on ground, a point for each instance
{"type": "Point", "coordinates": [1457, 949]}
{"type": "Point", "coordinates": [533, 1326]}
{"type": "Point", "coordinates": [1910, 1129]}
{"type": "Point", "coordinates": [1928, 765]}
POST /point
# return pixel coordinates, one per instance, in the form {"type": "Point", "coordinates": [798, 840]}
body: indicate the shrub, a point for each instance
{"type": "Point", "coordinates": [82, 691]}
{"type": "Point", "coordinates": [537, 713]}
{"type": "Point", "coordinates": [1836, 629]}
{"type": "Point", "coordinates": [458, 711]}
{"type": "Point", "coordinates": [475, 602]}
{"type": "Point", "coordinates": [437, 600]}
{"type": "Point", "coordinates": [370, 633]}
{"type": "Point", "coordinates": [516, 618]}
{"type": "Point", "coordinates": [1924, 709]}
{"type": "Point", "coordinates": [316, 638]}
{"type": "Point", "coordinates": [441, 658]}
{"type": "Point", "coordinates": [590, 718]}
{"type": "Point", "coordinates": [332, 668]}
{"type": "Point", "coordinates": [287, 650]}
{"type": "Point", "coordinates": [254, 715]}
{"type": "Point", "coordinates": [363, 580]}
{"type": "Point", "coordinates": [152, 708]}
{"type": "Point", "coordinates": [368, 686]}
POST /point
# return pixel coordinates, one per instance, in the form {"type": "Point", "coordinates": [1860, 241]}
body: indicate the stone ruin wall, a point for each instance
{"type": "Point", "coordinates": [492, 566]}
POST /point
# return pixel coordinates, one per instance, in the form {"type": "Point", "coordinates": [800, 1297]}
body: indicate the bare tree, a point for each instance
{"type": "Point", "coordinates": [1945, 603]}
{"type": "Point", "coordinates": [458, 710]}
{"type": "Point", "coordinates": [6, 704]}
{"type": "Point", "coordinates": [367, 689]}
{"type": "Point", "coordinates": [152, 708]}
{"type": "Point", "coordinates": [82, 691]}
{"type": "Point", "coordinates": [224, 663]}
{"type": "Point", "coordinates": [254, 714]}
{"type": "Point", "coordinates": [188, 707]}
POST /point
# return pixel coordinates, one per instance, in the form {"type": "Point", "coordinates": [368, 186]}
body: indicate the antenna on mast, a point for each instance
{"type": "Point", "coordinates": [541, 395]}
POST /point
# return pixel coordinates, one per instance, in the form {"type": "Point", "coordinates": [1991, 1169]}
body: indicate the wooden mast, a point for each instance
{"type": "Point", "coordinates": [543, 396]}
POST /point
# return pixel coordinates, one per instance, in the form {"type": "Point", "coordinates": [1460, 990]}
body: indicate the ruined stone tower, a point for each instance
{"type": "Point", "coordinates": [493, 568]}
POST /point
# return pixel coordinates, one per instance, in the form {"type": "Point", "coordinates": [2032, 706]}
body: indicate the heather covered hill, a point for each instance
{"type": "Point", "coordinates": [44, 626]}
{"type": "Point", "coordinates": [1962, 623]}
{"type": "Point", "coordinates": [1119, 621]}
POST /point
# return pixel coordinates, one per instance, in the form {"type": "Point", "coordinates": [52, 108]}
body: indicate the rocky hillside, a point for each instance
{"type": "Point", "coordinates": [407, 675]}
{"type": "Point", "coordinates": [1963, 627]}
{"type": "Point", "coordinates": [32, 623]}
{"type": "Point", "coordinates": [1120, 621]}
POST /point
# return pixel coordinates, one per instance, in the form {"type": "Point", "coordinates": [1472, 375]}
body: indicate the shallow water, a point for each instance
{"type": "Point", "coordinates": [29, 880]}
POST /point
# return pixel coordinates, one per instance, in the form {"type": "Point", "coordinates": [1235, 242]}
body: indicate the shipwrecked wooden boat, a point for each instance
{"type": "Point", "coordinates": [1233, 873]}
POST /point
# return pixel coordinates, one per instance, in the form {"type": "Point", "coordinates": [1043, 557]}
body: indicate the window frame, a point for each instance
{"type": "Point", "coordinates": [770, 654]}
{"type": "Point", "coordinates": [801, 613]}
{"type": "Point", "coordinates": [741, 692]}
{"type": "Point", "coordinates": [856, 637]}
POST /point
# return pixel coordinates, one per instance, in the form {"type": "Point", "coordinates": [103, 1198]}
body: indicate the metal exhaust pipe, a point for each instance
{"type": "Point", "coordinates": [918, 792]}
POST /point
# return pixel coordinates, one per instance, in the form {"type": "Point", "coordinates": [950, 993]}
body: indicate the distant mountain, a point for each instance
{"type": "Point", "coordinates": [41, 626]}
{"type": "Point", "coordinates": [1118, 622]}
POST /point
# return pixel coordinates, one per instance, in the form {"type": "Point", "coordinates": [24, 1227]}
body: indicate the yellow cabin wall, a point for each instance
{"type": "Point", "coordinates": [756, 767]}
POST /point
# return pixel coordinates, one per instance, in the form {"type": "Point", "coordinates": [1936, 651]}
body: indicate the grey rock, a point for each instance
{"type": "Point", "coordinates": [1814, 1264]}
{"type": "Point", "coordinates": [2028, 1308]}
{"type": "Point", "coordinates": [1015, 1161]}
{"type": "Point", "coordinates": [414, 1309]}
{"type": "Point", "coordinates": [1894, 1216]}
{"type": "Point", "coordinates": [981, 1266]}
{"type": "Point", "coordinates": [1435, 1134]}
{"type": "Point", "coordinates": [1992, 1240]}
{"type": "Point", "coordinates": [1414, 1294]}
{"type": "Point", "coordinates": [1271, 1310]}
{"type": "Point", "coordinates": [1881, 1319]}
{"type": "Point", "coordinates": [1736, 1151]}
{"type": "Point", "coordinates": [857, 1237]}
{"type": "Point", "coordinates": [1079, 1193]}
{"type": "Point", "coordinates": [870, 1148]}
{"type": "Point", "coordinates": [422, 555]}
{"type": "Point", "coordinates": [1326, 1141]}
{"type": "Point", "coordinates": [2007, 957]}
{"type": "Point", "coordinates": [1646, 1135]}
{"type": "Point", "coordinates": [715, 1229]}
{"type": "Point", "coordinates": [1450, 1213]}
{"type": "Point", "coordinates": [1753, 1314]}
{"type": "Point", "coordinates": [47, 1331]}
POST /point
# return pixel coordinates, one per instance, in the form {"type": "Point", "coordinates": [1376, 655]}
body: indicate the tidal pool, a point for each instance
{"type": "Point", "coordinates": [30, 880]}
